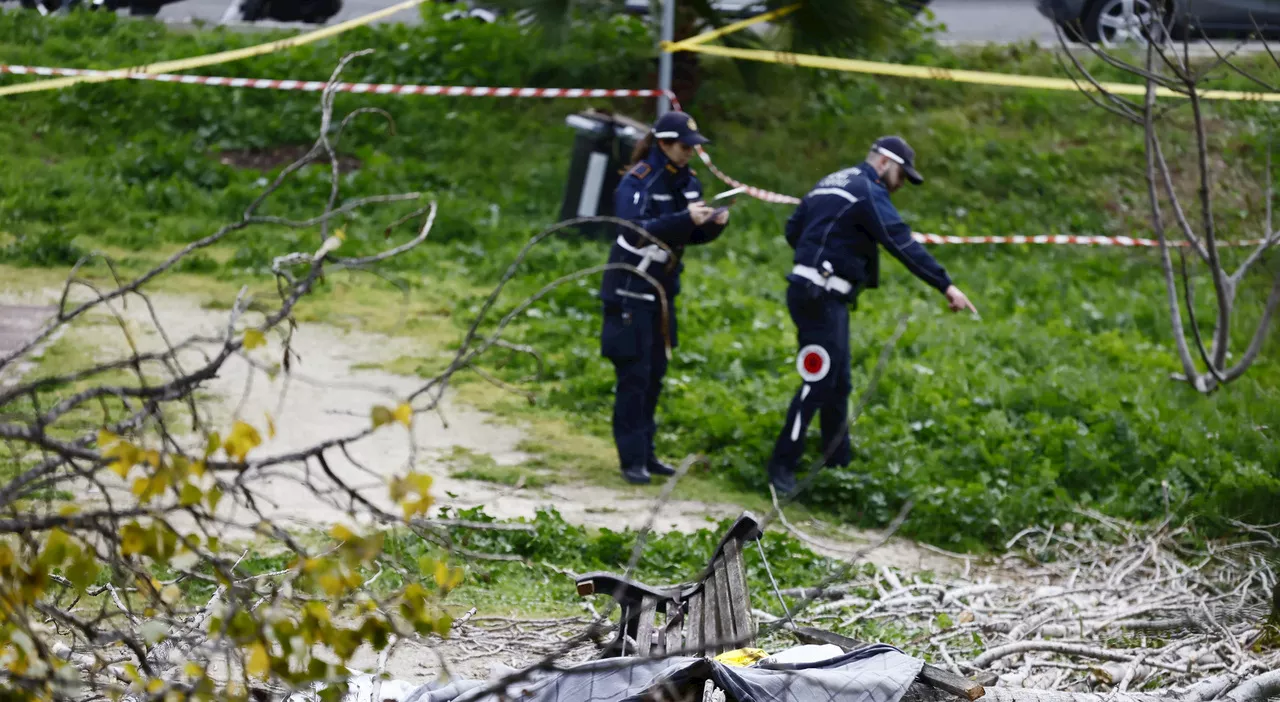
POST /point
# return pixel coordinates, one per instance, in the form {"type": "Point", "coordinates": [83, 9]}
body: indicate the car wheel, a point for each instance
{"type": "Point", "coordinates": [1116, 22]}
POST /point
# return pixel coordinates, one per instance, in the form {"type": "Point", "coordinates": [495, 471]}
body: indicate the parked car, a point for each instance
{"type": "Point", "coordinates": [1113, 22]}
{"type": "Point", "coordinates": [739, 9]}
{"type": "Point", "coordinates": [136, 7]}
{"type": "Point", "coordinates": [309, 11]}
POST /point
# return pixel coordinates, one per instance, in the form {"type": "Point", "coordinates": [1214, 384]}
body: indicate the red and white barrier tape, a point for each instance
{"type": "Point", "coordinates": [460, 90]}
{"type": "Point", "coordinates": [318, 85]}
{"type": "Point", "coordinates": [1063, 239]}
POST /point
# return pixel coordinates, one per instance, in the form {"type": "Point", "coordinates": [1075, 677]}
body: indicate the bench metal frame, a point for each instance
{"type": "Point", "coordinates": [712, 614]}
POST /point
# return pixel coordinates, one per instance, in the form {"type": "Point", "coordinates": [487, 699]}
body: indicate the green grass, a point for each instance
{"type": "Point", "coordinates": [469, 465]}
{"type": "Point", "coordinates": [537, 589]}
{"type": "Point", "coordinates": [1059, 398]}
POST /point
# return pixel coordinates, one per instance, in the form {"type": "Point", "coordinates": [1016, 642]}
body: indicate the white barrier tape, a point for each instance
{"type": "Point", "coordinates": [457, 90]}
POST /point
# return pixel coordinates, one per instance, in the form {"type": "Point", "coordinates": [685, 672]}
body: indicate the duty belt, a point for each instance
{"type": "Point", "coordinates": [823, 280]}
{"type": "Point", "coordinates": [652, 252]}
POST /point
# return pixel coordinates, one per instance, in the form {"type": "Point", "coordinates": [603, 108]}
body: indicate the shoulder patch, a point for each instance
{"type": "Point", "coordinates": [640, 170]}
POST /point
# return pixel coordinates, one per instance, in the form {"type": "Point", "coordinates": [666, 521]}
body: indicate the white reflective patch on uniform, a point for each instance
{"type": "Point", "coordinates": [693, 195]}
{"type": "Point", "coordinates": [661, 198]}
{"type": "Point", "coordinates": [795, 429]}
{"type": "Point", "coordinates": [813, 362]}
{"type": "Point", "coordinates": [839, 179]}
{"type": "Point", "coordinates": [636, 199]}
{"type": "Point", "coordinates": [835, 191]}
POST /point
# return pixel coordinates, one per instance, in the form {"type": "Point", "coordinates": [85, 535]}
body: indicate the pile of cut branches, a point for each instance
{"type": "Point", "coordinates": [1102, 605]}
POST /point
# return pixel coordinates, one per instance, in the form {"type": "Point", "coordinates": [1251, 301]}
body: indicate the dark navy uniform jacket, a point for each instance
{"type": "Point", "coordinates": [837, 226]}
{"type": "Point", "coordinates": [655, 195]}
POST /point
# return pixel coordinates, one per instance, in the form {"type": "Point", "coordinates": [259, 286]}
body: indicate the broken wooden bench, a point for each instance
{"type": "Point", "coordinates": [712, 615]}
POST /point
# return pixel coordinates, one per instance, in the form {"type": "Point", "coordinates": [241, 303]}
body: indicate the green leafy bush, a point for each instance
{"type": "Point", "coordinates": [49, 247]}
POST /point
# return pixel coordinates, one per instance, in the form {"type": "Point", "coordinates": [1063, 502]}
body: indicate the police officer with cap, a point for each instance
{"type": "Point", "coordinates": [660, 194]}
{"type": "Point", "coordinates": [837, 231]}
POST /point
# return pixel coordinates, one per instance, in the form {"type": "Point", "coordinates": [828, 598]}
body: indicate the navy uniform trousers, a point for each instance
{"type": "Point", "coordinates": [631, 338]}
{"type": "Point", "coordinates": [822, 321]}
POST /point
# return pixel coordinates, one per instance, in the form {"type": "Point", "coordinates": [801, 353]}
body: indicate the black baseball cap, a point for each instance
{"type": "Point", "coordinates": [896, 149]}
{"type": "Point", "coordinates": [679, 126]}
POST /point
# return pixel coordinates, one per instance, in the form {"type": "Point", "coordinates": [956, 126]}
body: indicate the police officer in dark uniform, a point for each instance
{"type": "Point", "coordinates": [660, 194]}
{"type": "Point", "coordinates": [836, 232]}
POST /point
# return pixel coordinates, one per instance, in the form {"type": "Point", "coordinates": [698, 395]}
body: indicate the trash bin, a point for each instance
{"type": "Point", "coordinates": [601, 152]}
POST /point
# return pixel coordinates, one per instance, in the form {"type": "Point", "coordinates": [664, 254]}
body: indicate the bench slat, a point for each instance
{"type": "Point", "coordinates": [673, 638]}
{"type": "Point", "coordinates": [711, 615]}
{"type": "Point", "coordinates": [726, 625]}
{"type": "Point", "coordinates": [740, 596]}
{"type": "Point", "coordinates": [644, 634]}
{"type": "Point", "coordinates": [693, 632]}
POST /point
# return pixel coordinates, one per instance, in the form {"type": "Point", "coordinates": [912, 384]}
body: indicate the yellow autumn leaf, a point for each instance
{"type": "Point", "coordinates": [170, 594]}
{"type": "Point", "coordinates": [191, 495]}
{"type": "Point", "coordinates": [404, 414]}
{"type": "Point", "coordinates": [341, 233]}
{"type": "Point", "coordinates": [381, 415]}
{"type": "Point", "coordinates": [243, 439]}
{"type": "Point", "coordinates": [124, 456]}
{"type": "Point", "coordinates": [341, 533]}
{"type": "Point", "coordinates": [258, 663]}
{"type": "Point", "coordinates": [421, 482]}
{"type": "Point", "coordinates": [214, 441]}
{"type": "Point", "coordinates": [132, 539]}
{"type": "Point", "coordinates": [253, 339]}
{"type": "Point", "coordinates": [140, 486]}
{"type": "Point", "coordinates": [412, 508]}
{"type": "Point", "coordinates": [447, 578]}
{"type": "Point", "coordinates": [106, 438]}
{"type": "Point", "coordinates": [331, 584]}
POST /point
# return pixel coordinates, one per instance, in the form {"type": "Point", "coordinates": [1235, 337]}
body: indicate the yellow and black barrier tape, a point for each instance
{"type": "Point", "coordinates": [960, 75]}
{"type": "Point", "coordinates": [731, 28]}
{"type": "Point", "coordinates": [699, 44]}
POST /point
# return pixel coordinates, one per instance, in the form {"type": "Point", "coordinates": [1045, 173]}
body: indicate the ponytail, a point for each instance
{"type": "Point", "coordinates": [641, 152]}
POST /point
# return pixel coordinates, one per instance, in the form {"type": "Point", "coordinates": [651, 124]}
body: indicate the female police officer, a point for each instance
{"type": "Point", "coordinates": [660, 194]}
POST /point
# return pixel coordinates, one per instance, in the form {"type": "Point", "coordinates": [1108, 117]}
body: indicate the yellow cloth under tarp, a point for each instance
{"type": "Point", "coordinates": [741, 657]}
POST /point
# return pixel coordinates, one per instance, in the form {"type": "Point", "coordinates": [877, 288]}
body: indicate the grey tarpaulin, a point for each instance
{"type": "Point", "coordinates": [877, 673]}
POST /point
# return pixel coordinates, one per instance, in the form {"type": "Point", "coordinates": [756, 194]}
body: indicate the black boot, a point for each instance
{"type": "Point", "coordinates": [657, 467]}
{"type": "Point", "coordinates": [782, 480]}
{"type": "Point", "coordinates": [636, 475]}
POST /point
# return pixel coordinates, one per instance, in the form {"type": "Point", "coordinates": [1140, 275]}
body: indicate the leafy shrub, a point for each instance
{"type": "Point", "coordinates": [51, 248]}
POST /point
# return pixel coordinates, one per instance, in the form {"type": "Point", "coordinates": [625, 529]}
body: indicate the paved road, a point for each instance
{"type": "Point", "coordinates": [1000, 21]}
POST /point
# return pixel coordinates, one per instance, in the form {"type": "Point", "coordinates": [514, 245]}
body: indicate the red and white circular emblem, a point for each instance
{"type": "Point", "coordinates": [813, 363]}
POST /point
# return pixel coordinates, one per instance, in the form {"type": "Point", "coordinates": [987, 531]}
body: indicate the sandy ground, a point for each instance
{"type": "Point", "coordinates": [330, 394]}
